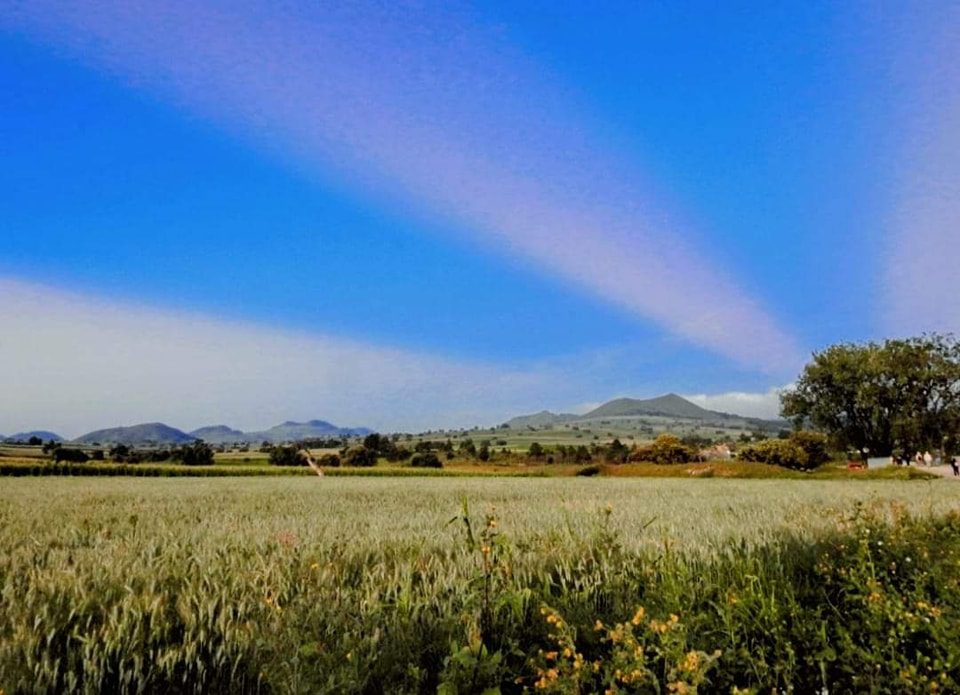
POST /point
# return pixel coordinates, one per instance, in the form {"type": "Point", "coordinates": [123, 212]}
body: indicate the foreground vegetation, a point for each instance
{"type": "Point", "coordinates": [350, 585]}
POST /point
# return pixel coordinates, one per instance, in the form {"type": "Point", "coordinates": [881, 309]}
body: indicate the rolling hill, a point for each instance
{"type": "Point", "coordinates": [670, 405]}
{"type": "Point", "coordinates": [159, 434]}
{"type": "Point", "coordinates": [220, 434]}
{"type": "Point", "coordinates": [313, 429]}
{"type": "Point", "coordinates": [155, 433]}
{"type": "Point", "coordinates": [542, 419]}
{"type": "Point", "coordinates": [45, 435]}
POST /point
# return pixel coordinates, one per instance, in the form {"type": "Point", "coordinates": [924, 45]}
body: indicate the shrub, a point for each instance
{"type": "Point", "coordinates": [425, 460]}
{"type": "Point", "coordinates": [70, 455]}
{"type": "Point", "coordinates": [589, 471]}
{"type": "Point", "coordinates": [286, 456]}
{"type": "Point", "coordinates": [330, 461]}
{"type": "Point", "coordinates": [199, 453]}
{"type": "Point", "coordinates": [665, 449]}
{"type": "Point", "coordinates": [777, 452]}
{"type": "Point", "coordinates": [814, 444]}
{"type": "Point", "coordinates": [359, 456]}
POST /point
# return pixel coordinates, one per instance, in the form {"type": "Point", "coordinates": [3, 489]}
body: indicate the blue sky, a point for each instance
{"type": "Point", "coordinates": [628, 200]}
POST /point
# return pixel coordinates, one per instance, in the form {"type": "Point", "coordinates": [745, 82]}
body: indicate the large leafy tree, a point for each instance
{"type": "Point", "coordinates": [900, 394]}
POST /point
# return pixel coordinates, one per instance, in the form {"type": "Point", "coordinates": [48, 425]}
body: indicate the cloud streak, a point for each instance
{"type": "Point", "coordinates": [440, 114]}
{"type": "Point", "coordinates": [920, 287]}
{"type": "Point", "coordinates": [75, 363]}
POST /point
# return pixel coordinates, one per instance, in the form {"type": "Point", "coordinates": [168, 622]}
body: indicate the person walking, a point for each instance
{"type": "Point", "coordinates": [955, 466]}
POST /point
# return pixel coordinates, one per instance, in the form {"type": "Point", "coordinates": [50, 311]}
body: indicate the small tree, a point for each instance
{"type": "Point", "coordinates": [330, 461]}
{"type": "Point", "coordinates": [70, 455]}
{"type": "Point", "coordinates": [359, 456]}
{"type": "Point", "coordinates": [425, 460]}
{"type": "Point", "coordinates": [199, 453]}
{"type": "Point", "coordinates": [535, 451]}
{"type": "Point", "coordinates": [286, 456]}
{"type": "Point", "coordinates": [665, 449]}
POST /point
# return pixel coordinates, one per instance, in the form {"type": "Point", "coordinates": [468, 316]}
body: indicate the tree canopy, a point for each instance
{"type": "Point", "coordinates": [898, 395]}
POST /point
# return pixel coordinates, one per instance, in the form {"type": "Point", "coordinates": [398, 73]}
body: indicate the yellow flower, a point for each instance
{"type": "Point", "coordinates": [638, 616]}
{"type": "Point", "coordinates": [691, 662]}
{"type": "Point", "coordinates": [598, 626]}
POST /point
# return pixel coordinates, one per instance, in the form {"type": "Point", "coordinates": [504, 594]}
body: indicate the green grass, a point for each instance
{"type": "Point", "coordinates": [363, 585]}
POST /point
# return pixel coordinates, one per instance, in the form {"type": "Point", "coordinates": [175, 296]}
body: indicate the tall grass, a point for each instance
{"type": "Point", "coordinates": [350, 585]}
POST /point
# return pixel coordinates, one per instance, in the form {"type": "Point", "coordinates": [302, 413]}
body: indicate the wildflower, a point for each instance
{"type": "Point", "coordinates": [315, 566]}
{"type": "Point", "coordinates": [691, 662]}
{"type": "Point", "coordinates": [638, 616]}
{"type": "Point", "coordinates": [598, 626]}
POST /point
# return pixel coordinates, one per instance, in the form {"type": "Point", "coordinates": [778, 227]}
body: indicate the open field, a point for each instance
{"type": "Point", "coordinates": [364, 585]}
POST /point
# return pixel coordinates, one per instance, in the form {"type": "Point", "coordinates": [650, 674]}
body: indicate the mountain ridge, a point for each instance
{"type": "Point", "coordinates": [669, 405]}
{"type": "Point", "coordinates": [45, 435]}
{"type": "Point", "coordinates": [161, 434]}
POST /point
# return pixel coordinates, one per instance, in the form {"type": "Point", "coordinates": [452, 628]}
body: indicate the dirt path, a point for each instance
{"type": "Point", "coordinates": [943, 471]}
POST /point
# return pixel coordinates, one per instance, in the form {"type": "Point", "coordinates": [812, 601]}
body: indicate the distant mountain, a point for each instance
{"type": "Point", "coordinates": [45, 435]}
{"type": "Point", "coordinates": [221, 434]}
{"type": "Point", "coordinates": [542, 419]}
{"type": "Point", "coordinates": [314, 429]}
{"type": "Point", "coordinates": [155, 433]}
{"type": "Point", "coordinates": [670, 405]}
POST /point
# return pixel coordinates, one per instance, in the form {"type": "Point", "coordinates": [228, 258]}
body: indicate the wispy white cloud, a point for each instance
{"type": "Point", "coordinates": [440, 113]}
{"type": "Point", "coordinates": [73, 363]}
{"type": "Point", "coordinates": [920, 281]}
{"type": "Point", "coordinates": [763, 404]}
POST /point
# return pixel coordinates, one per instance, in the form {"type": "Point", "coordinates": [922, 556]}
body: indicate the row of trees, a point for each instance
{"type": "Point", "coordinates": [197, 453]}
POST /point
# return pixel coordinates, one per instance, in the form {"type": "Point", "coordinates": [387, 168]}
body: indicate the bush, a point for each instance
{"type": "Point", "coordinates": [199, 453]}
{"type": "Point", "coordinates": [589, 471]}
{"type": "Point", "coordinates": [814, 444]}
{"type": "Point", "coordinates": [425, 460]}
{"type": "Point", "coordinates": [286, 456]}
{"type": "Point", "coordinates": [665, 449]}
{"type": "Point", "coordinates": [359, 456]}
{"type": "Point", "coordinates": [70, 455]}
{"type": "Point", "coordinates": [329, 461]}
{"type": "Point", "coordinates": [777, 452]}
